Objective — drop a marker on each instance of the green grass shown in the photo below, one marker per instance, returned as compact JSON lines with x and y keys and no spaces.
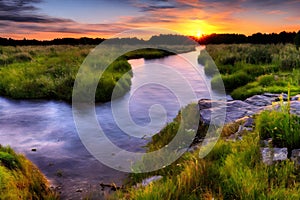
{"x":280,"y":125}
{"x":232,"y":170}
{"x":49,"y":72}
{"x":20,"y":179}
{"x":254,"y":69}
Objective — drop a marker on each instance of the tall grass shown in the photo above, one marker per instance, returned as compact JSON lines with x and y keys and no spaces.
{"x":20,"y":179}
{"x":245,"y":68}
{"x":280,"y":125}
{"x":232,"y":170}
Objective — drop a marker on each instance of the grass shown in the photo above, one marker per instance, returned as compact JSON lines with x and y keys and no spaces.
{"x":253,"y":69}
{"x":232,"y":170}
{"x":20,"y":179}
{"x":49,"y":72}
{"x":280,"y":125}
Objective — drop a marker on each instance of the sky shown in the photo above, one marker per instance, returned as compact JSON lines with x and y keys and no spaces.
{"x":49,"y":19}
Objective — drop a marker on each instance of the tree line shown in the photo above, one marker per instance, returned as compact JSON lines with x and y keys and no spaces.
{"x":257,"y":38}
{"x":169,"y":39}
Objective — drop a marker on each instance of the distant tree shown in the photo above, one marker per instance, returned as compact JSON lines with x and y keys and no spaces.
{"x":297,"y":40}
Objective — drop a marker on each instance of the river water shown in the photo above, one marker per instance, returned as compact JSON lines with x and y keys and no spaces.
{"x":49,"y":128}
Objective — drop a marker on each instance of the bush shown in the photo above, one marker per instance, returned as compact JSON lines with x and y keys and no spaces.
{"x":259,"y":55}
{"x":210,"y":68}
{"x":289,"y":64}
{"x":22,"y":57}
{"x":20,"y":179}
{"x":266,"y":80}
{"x":203,"y":57}
{"x":8,"y":160}
{"x":217,"y":82}
{"x":236,"y":80}
{"x":281,"y":126}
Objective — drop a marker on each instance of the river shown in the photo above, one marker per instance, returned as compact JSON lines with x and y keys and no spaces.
{"x":48,"y":128}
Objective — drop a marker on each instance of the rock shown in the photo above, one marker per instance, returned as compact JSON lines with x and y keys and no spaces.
{"x":296,"y":156}
{"x":267,"y":156}
{"x":237,"y":109}
{"x":296,"y":98}
{"x":249,"y":122}
{"x":280,"y":154}
{"x":295,"y":107}
{"x":229,"y":98}
{"x":147,"y":181}
{"x":270,"y":155}
{"x":260,"y":100}
{"x":271,"y":95}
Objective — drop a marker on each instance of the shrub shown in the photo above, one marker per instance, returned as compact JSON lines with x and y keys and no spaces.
{"x":22,"y":57}
{"x":266,"y":80}
{"x":236,"y":80}
{"x":8,"y":160}
{"x":210,"y":68}
{"x":281,"y":126}
{"x":203,"y":57}
{"x":289,"y":64}
{"x":217,"y":82}
{"x":259,"y":55}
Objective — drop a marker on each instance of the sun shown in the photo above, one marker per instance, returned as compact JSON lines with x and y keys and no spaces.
{"x":198,"y":34}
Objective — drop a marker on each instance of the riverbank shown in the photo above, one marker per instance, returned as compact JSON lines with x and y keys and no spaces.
{"x":235,"y":168}
{"x":49,"y":72}
{"x":247,"y":69}
{"x":48,"y":127}
{"x":20,"y":179}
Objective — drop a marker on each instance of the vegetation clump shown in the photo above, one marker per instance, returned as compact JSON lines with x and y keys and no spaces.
{"x":20,"y":179}
{"x":232,"y":170}
{"x":248,"y":69}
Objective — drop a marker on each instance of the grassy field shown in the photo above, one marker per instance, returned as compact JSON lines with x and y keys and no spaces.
{"x":253,"y":69}
{"x":48,"y":72}
{"x":232,"y":170}
{"x":20,"y":179}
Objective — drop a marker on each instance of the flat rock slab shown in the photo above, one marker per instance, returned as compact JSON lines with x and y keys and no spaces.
{"x":229,"y":111}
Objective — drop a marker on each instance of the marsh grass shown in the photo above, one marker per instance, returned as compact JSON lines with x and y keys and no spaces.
{"x":280,"y":125}
{"x":49,"y":72}
{"x":247,"y":69}
{"x":20,"y":179}
{"x":232,"y":170}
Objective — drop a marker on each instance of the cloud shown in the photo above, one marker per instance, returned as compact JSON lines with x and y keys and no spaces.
{"x":24,"y":11}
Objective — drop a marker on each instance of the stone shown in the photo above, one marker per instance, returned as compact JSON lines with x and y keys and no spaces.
{"x":296,"y":156}
{"x":270,"y":155}
{"x":280,"y":154}
{"x":296,"y":98}
{"x":229,"y":98}
{"x":267,"y":156}
{"x":249,"y":122}
{"x":260,"y":100}
{"x":150,"y":180}
{"x":237,"y":109}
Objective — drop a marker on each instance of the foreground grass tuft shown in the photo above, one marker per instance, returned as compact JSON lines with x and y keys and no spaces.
{"x":20,"y":179}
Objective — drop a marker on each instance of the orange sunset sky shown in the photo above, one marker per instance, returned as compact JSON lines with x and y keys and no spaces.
{"x":49,"y":19}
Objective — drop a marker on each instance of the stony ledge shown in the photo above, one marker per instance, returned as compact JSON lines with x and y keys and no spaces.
{"x":237,"y":110}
